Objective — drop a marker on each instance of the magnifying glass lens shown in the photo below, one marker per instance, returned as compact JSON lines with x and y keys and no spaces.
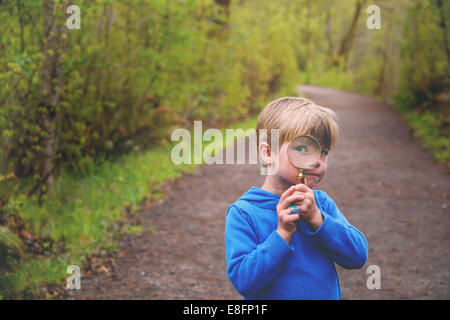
{"x":304,"y":151}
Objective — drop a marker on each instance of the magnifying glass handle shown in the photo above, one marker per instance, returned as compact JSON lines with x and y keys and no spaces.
{"x":301,"y":178}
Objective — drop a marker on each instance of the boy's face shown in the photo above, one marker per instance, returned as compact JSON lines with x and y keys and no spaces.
{"x":288,"y":172}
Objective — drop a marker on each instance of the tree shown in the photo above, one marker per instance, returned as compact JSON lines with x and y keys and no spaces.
{"x":349,"y":36}
{"x":443,"y":25}
{"x":55,"y":37}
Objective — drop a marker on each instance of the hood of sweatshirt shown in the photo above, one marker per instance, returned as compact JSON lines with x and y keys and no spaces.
{"x":261,"y":198}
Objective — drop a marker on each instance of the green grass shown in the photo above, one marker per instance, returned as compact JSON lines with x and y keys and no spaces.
{"x":426,"y":128}
{"x":333,"y":77}
{"x":81,"y":213}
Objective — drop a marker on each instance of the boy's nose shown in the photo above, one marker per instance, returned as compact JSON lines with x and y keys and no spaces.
{"x":316,"y":164}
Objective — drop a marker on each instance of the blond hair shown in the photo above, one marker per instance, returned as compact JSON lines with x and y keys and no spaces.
{"x":294,"y":116}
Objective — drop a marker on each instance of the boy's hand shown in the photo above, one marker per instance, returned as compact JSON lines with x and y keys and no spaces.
{"x":309,"y":212}
{"x":287,"y":222}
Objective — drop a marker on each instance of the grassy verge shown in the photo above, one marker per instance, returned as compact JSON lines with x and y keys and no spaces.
{"x":429,"y":118}
{"x":82,"y":215}
{"x":427,"y":128}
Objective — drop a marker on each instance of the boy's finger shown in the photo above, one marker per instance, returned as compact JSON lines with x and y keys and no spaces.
{"x":299,"y":192}
{"x":292,"y":218}
{"x":286,"y":212}
{"x":301,"y":187}
{"x":287,"y":193}
{"x":283,"y":197}
{"x":295,"y":197}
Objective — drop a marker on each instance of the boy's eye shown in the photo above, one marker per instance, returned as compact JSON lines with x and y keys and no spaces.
{"x":324,"y":152}
{"x":301,"y":148}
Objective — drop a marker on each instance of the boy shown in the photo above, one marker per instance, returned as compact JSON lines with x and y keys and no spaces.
{"x":273,"y":252}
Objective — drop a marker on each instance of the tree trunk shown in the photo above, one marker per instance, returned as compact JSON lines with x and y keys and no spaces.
{"x":329,"y":34}
{"x":21,"y":24}
{"x":349,"y":35}
{"x":443,"y":25}
{"x":55,"y":36}
{"x":308,"y":35}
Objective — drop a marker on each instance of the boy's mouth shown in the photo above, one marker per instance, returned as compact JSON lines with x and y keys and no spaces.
{"x":310,"y":174}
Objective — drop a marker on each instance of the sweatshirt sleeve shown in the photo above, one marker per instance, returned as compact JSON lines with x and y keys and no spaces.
{"x":251,"y":265}
{"x":342,"y":242}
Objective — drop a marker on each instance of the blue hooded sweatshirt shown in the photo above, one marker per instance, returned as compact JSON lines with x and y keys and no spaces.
{"x":262,"y":265}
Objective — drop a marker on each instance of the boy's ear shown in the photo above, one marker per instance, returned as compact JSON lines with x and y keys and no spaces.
{"x":264,"y":153}
{"x":268,"y":158}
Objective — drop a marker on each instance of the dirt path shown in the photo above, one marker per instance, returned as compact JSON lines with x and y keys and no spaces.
{"x":387,"y":185}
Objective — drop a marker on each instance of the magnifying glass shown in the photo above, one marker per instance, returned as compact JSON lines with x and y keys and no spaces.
{"x":303,"y":152}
